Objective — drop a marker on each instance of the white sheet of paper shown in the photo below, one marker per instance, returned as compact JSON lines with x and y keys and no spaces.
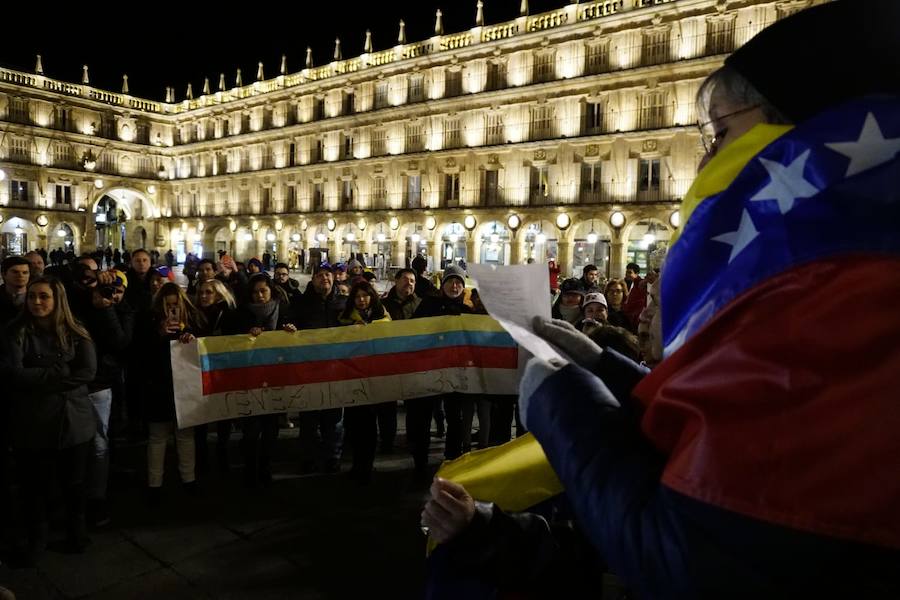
{"x":515,"y":295}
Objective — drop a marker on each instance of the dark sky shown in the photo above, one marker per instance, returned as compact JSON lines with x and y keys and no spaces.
{"x":158,"y":47}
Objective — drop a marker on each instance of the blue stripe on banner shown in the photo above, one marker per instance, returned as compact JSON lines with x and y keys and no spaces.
{"x":391,"y":345}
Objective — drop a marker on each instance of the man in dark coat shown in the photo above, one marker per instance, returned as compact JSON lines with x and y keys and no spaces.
{"x":320,"y":432}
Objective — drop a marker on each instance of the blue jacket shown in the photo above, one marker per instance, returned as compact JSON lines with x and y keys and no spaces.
{"x":662,"y":543}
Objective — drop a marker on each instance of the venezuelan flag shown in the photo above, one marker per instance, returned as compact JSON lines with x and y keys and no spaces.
{"x":777,"y":397}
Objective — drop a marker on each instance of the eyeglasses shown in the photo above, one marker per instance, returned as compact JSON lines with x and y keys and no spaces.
{"x":712,"y":138}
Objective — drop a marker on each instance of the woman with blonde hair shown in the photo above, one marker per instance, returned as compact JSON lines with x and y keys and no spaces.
{"x":174,"y":318}
{"x":47,"y":360}
{"x":216,"y":302}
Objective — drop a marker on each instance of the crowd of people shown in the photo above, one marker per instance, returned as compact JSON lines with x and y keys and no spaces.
{"x":86,"y":354}
{"x":756,"y":460}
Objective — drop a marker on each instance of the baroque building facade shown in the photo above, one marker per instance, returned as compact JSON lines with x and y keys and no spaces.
{"x":569,"y":135}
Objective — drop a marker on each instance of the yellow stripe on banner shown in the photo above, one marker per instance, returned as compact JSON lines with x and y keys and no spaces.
{"x":334,"y":335}
{"x":725,"y":166}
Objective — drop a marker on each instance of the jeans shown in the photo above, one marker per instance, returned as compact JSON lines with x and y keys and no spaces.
{"x":98,"y":466}
{"x":160,"y":433}
{"x":38,"y":469}
{"x":360,"y":423}
{"x":455,"y":406}
{"x":418,"y":429}
{"x":483,"y":406}
{"x":258,"y":444}
{"x":387,"y":424}
{"x":321,"y":436}
{"x":502,"y":410}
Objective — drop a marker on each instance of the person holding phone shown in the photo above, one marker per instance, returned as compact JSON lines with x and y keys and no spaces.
{"x":175,"y":318}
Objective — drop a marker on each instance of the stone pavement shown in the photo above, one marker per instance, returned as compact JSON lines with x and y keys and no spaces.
{"x":304,"y":537}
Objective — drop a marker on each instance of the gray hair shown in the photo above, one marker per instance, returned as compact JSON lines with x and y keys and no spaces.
{"x":727,"y":85}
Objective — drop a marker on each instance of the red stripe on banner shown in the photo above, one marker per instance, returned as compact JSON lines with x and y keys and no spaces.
{"x":785,"y":407}
{"x":400,"y":363}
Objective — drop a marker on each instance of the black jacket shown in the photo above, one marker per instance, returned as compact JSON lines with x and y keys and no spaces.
{"x":311,"y":311}
{"x":437,"y":306}
{"x":401,"y":309}
{"x":8,"y":310}
{"x":112,"y":329}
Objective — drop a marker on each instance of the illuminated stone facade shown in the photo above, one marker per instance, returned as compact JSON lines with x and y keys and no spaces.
{"x":568,"y":134}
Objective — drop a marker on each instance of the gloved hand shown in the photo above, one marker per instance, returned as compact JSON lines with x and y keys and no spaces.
{"x":562,"y":334}
{"x":536,"y":371}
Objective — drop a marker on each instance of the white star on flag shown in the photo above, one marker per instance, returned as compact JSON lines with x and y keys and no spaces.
{"x":740,"y":239}
{"x":787,"y":183}
{"x":870,"y":150}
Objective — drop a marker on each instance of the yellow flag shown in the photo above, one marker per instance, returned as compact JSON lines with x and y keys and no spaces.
{"x":514,"y":476}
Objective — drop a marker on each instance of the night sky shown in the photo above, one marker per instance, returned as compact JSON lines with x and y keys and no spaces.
{"x":159,"y":47}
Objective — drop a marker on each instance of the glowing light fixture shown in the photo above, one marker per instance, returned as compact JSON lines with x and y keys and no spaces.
{"x":270,"y":237}
{"x":470,"y":222}
{"x":394,"y":223}
{"x":675,"y":219}
{"x":513,"y":222}
{"x":248,"y":237}
{"x":592,"y":236}
{"x":563,"y":220}
{"x":98,"y":183}
{"x":295,"y":237}
{"x":617,"y":219}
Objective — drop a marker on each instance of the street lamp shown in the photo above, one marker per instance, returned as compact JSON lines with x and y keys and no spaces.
{"x":592,"y":236}
{"x":617,"y":219}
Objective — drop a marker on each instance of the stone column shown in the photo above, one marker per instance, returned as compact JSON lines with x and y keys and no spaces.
{"x":434,"y":251}
{"x":617,"y":253}
{"x":515,"y":249}
{"x":566,"y":257}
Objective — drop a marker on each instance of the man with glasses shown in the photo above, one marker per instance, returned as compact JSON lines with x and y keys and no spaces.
{"x":284,"y":280}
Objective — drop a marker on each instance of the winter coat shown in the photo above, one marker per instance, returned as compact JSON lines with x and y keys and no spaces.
{"x":112,"y":329}
{"x":400,"y":309}
{"x":356,"y":318}
{"x":664,"y":543}
{"x":314,"y":312}
{"x":8,"y":310}
{"x":243,"y":320}
{"x":46,"y":388}
{"x":436,"y":306}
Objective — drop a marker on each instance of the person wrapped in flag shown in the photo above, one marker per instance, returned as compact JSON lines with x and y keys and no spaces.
{"x":761,"y":457}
